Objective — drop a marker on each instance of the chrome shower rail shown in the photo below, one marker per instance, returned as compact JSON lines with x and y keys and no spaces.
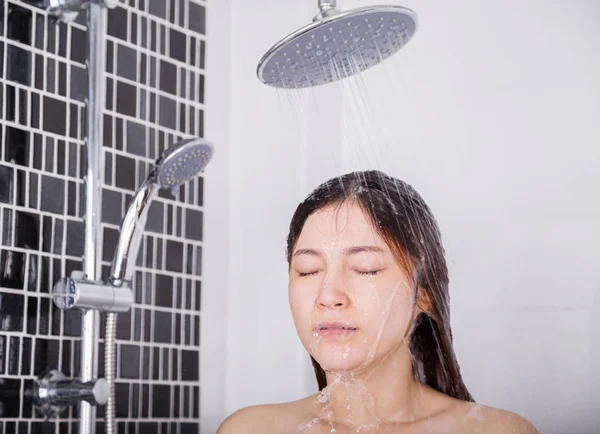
{"x":96,"y":20}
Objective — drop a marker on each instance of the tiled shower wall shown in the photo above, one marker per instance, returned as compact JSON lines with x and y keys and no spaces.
{"x":154,"y":96}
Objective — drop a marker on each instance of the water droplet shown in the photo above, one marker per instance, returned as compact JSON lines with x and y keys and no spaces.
{"x":323,"y":397}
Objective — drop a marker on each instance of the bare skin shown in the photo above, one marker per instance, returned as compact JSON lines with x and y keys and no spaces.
{"x":343,"y":272}
{"x":448,"y":416}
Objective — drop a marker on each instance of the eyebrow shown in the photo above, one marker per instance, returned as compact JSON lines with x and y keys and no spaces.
{"x":347,"y":252}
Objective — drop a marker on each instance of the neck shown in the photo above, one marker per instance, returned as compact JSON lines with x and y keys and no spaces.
{"x":385,"y":392}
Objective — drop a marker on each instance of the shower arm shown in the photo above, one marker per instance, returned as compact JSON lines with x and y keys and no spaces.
{"x":327,"y":8}
{"x":327,"y":4}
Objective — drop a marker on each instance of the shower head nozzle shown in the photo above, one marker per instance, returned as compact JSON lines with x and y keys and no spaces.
{"x":182,"y":161}
{"x":337,"y":46}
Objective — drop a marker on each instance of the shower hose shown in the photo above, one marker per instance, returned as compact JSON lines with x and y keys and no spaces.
{"x":110,"y":359}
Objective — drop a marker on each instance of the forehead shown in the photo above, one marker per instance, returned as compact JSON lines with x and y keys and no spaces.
{"x":343,"y":225}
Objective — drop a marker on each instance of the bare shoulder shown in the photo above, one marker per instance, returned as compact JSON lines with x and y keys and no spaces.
{"x":269,"y":418}
{"x":259,"y":418}
{"x":496,"y":421}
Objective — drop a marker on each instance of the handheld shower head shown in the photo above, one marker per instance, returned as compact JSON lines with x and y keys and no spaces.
{"x":337,"y":45}
{"x":177,"y":165}
{"x":182,"y":161}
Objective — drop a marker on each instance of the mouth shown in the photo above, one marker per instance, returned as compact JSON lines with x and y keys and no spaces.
{"x":334,"y":329}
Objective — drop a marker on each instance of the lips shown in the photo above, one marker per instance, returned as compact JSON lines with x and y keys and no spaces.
{"x":334,"y":329}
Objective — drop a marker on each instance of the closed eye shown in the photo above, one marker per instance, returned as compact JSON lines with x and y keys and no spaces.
{"x":307,"y":274}
{"x":369,"y":272}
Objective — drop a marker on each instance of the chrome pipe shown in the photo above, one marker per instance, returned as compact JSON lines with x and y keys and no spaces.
{"x":327,"y":8}
{"x":327,"y":4}
{"x":96,"y":26}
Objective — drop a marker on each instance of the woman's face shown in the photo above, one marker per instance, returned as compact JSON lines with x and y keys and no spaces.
{"x":351,"y":302}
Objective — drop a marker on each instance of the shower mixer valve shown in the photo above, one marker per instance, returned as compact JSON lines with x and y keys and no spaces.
{"x":79,"y":292}
{"x":53,"y":392}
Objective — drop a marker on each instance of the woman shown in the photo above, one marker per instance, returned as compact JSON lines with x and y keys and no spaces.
{"x":368,"y":291}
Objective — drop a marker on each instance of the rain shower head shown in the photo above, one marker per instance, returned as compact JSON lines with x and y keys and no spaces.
{"x":337,"y":45}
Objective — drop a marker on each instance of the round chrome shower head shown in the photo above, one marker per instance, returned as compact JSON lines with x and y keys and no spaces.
{"x":182,"y":161}
{"x":337,"y":46}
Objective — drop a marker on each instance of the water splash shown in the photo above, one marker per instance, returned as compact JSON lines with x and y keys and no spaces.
{"x":308,"y":426}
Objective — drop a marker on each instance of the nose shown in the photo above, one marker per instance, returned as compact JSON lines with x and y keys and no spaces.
{"x":333,"y":293}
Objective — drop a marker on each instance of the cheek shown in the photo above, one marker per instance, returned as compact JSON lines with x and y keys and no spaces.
{"x":400,"y":313}
{"x":388,"y":309}
{"x":300,"y":305}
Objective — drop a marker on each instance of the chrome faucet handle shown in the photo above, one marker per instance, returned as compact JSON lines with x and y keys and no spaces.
{"x":53,"y":392}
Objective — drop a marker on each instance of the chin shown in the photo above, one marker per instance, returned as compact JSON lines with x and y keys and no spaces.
{"x":339,"y":360}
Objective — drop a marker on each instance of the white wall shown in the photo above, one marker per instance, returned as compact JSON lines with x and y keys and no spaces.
{"x":491,"y":112}
{"x":213,"y":325}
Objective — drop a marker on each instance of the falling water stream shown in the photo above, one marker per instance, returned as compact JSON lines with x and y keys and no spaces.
{"x":354,"y":111}
{"x":357,"y":110}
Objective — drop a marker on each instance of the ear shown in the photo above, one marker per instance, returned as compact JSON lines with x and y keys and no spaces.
{"x":424,"y":301}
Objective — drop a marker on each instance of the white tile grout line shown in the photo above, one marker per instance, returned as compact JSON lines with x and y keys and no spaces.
{"x":24,"y":209}
{"x":162,"y":21}
{"x":157,"y":55}
{"x":56,"y":96}
{"x":166,"y":20}
{"x":153,"y":125}
{"x":41,"y":172}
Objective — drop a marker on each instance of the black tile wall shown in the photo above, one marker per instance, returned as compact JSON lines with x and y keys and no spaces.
{"x":155,"y":96}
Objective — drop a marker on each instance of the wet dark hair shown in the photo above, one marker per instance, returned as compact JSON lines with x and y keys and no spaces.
{"x":405,"y":222}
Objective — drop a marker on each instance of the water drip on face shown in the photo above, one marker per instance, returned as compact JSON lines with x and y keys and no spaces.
{"x":346,"y":351}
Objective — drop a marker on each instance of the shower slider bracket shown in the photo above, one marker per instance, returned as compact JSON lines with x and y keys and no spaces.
{"x":79,"y":292}
{"x":67,"y":10}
